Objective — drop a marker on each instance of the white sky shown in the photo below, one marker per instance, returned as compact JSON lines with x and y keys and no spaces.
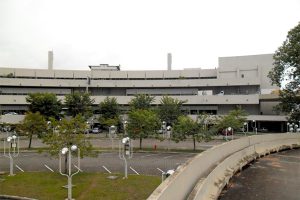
{"x":138,"y":34}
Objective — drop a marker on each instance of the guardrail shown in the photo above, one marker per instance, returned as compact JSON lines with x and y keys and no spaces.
{"x":204,"y":176}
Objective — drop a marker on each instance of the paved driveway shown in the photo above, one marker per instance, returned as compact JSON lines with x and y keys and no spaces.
{"x":141,"y":163}
{"x":274,"y":177}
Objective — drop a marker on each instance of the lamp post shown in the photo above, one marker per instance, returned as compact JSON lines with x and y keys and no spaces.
{"x":164,"y":128}
{"x":112,"y":134}
{"x":13,"y":151}
{"x":124,"y":127}
{"x":169,"y":132}
{"x":231,"y":130}
{"x":293,"y":127}
{"x":125,"y":152}
{"x":254,"y":126}
{"x":67,"y":151}
{"x":245,"y":124}
{"x":296,"y":127}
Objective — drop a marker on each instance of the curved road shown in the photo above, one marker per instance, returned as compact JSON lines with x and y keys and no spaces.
{"x":274,"y":177}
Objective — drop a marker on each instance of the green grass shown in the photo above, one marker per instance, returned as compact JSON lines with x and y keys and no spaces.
{"x":48,"y":186}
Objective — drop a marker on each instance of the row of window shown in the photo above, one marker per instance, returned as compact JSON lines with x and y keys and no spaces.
{"x":67,"y":78}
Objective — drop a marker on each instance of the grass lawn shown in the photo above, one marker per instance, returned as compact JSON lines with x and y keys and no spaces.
{"x":89,"y":186}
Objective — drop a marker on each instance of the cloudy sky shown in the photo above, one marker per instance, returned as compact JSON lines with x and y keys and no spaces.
{"x":138,"y":34}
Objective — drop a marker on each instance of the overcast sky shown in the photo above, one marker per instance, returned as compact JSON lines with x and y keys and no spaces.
{"x":138,"y":34}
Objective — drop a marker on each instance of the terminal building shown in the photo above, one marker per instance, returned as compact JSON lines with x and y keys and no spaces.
{"x":239,"y":80}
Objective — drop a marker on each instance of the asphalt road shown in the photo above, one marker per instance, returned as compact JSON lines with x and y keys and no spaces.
{"x":141,"y":163}
{"x":274,"y":177}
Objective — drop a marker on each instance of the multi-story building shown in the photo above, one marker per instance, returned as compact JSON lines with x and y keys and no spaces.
{"x":240,"y":80}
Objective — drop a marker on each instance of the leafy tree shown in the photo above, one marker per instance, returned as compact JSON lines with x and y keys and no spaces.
{"x":110,"y":112}
{"x":186,"y":127}
{"x":65,"y":133}
{"x":286,"y":74}
{"x":170,"y":109}
{"x":33,"y":124}
{"x":46,"y":104}
{"x":141,"y":101}
{"x":79,"y":103}
{"x":235,"y":119}
{"x":142,"y":123}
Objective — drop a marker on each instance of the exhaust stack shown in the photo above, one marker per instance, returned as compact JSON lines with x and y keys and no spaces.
{"x":50,"y":60}
{"x":169,"y":61}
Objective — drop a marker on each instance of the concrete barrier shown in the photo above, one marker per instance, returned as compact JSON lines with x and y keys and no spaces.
{"x":204,"y":176}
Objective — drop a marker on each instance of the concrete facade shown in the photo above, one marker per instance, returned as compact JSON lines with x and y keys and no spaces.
{"x":240,"y":80}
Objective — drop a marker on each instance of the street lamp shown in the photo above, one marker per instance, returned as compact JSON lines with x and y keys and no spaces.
{"x":13,"y":151}
{"x":67,"y":151}
{"x":169,"y":132}
{"x":229,"y":129}
{"x":125,"y":152}
{"x":293,"y":127}
{"x":112,"y":134}
{"x":124,"y":127}
{"x":296,"y":127}
{"x":164,"y":127}
{"x":245,"y":124}
{"x":254,"y":127}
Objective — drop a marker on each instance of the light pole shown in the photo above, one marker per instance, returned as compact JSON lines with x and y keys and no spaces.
{"x":254,"y":126}
{"x":164,"y":127}
{"x":293,"y":127}
{"x":125,"y":152}
{"x":112,"y":134}
{"x":296,"y":127}
{"x":245,"y":125}
{"x":169,"y":132}
{"x":231,"y":130}
{"x":226,"y":133}
{"x":64,"y":151}
{"x":13,"y":151}
{"x":124,"y":127}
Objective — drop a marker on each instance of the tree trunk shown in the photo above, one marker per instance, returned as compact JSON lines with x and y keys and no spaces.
{"x":66,"y":163}
{"x":194,"y":140}
{"x":141,"y":142}
{"x":30,"y":139}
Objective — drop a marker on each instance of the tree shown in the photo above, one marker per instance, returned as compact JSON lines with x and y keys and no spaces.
{"x":33,"y":124}
{"x":110,"y":112}
{"x":141,"y":101}
{"x":46,"y":104}
{"x":186,"y":127}
{"x":65,"y":133}
{"x":79,"y":103}
{"x":142,"y":124}
{"x":286,"y":74}
{"x":170,"y":109}
{"x":235,"y":119}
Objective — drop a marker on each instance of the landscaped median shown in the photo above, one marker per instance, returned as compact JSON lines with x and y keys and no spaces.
{"x":43,"y":185}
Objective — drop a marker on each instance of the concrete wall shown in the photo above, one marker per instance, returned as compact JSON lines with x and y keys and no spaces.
{"x":204,"y":176}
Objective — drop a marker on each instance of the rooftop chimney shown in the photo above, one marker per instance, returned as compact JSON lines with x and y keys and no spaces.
{"x":50,"y":60}
{"x":169,"y":61}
